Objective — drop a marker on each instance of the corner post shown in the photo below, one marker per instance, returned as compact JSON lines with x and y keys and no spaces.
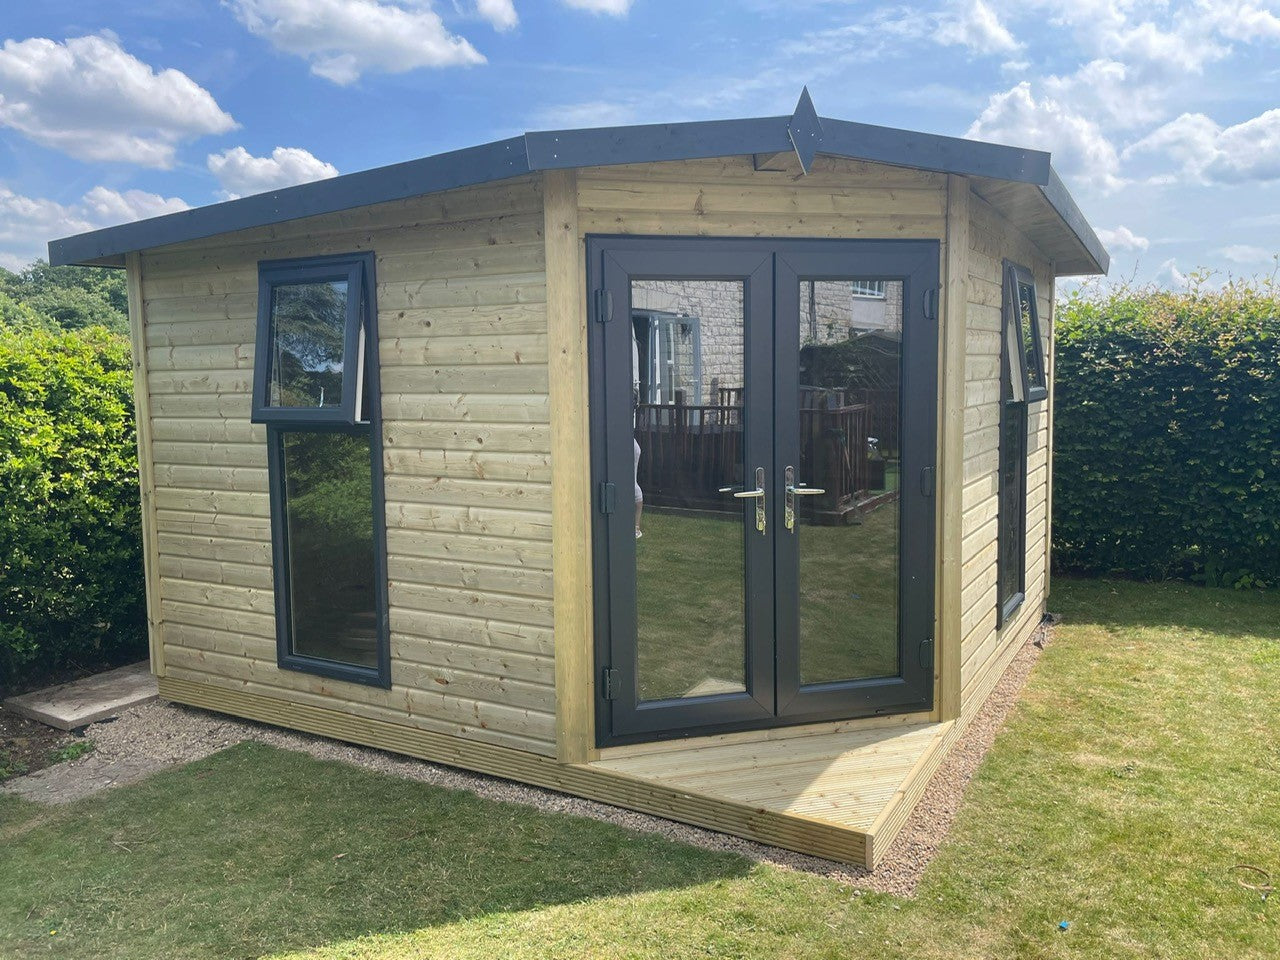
{"x":570,"y":468}
{"x":954,"y":315}
{"x":146,"y":462}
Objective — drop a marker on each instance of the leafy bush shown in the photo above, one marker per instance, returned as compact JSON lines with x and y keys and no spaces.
{"x":1167,"y":434}
{"x":71,"y":584}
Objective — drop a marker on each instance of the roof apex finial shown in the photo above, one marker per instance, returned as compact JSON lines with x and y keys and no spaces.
{"x":805,"y":130}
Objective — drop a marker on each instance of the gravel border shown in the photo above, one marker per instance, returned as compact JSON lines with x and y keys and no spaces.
{"x":160,"y":735}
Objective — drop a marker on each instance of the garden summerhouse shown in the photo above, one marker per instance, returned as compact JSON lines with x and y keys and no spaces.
{"x":701,"y":469}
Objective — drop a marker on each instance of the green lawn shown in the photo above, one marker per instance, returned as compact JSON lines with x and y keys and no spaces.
{"x":1141,"y":765}
{"x":689,"y":601}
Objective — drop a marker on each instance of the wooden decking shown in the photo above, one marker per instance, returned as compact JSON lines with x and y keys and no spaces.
{"x":842,"y":794}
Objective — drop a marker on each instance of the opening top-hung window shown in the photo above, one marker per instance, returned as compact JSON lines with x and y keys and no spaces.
{"x":1025,"y":345}
{"x":311,"y":334}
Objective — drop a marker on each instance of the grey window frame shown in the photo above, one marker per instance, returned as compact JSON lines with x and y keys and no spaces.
{"x":278,"y":273}
{"x":361,"y":339}
{"x":1016,"y":275}
{"x":1016,"y":397}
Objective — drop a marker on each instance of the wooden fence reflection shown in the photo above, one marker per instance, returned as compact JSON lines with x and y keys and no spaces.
{"x":688,"y":452}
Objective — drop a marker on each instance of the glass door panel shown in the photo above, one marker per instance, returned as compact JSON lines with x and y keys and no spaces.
{"x":846,"y":505}
{"x":690,"y":381}
{"x":856,"y":387}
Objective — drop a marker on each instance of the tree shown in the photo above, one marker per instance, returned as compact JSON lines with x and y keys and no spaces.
{"x":67,"y":298}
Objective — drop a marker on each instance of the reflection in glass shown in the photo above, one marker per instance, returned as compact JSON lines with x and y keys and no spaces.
{"x":1030,"y":349}
{"x":850,"y":410}
{"x":329,"y":517}
{"x":688,"y":378}
{"x":308,"y":323}
{"x":1013,"y":530}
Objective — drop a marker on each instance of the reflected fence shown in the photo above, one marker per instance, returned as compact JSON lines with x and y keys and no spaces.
{"x":849,"y":449}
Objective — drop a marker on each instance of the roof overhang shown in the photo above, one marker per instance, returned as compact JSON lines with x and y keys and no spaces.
{"x":1039,"y":197}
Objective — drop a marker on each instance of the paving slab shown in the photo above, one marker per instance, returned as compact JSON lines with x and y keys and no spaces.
{"x":71,"y":705}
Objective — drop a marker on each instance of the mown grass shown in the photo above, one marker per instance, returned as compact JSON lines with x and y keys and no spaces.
{"x":1139,"y":768}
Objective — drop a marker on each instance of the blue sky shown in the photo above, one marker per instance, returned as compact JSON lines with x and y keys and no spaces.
{"x":1163,"y":117}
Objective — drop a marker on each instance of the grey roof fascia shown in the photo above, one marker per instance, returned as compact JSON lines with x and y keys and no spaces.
{"x":561,"y":149}
{"x":446,"y":171}
{"x":929,"y":151}
{"x":1055,"y":191}
{"x":656,"y":142}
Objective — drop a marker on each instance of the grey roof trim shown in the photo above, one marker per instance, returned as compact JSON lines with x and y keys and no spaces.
{"x":1055,"y":191}
{"x":445,"y":171}
{"x":560,"y":149}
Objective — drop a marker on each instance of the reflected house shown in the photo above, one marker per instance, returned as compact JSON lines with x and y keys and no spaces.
{"x":387,"y":427}
{"x":689,"y":417}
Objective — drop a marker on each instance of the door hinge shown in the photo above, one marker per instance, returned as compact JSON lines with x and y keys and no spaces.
{"x":927,"y":481}
{"x":931,"y":303}
{"x":610,"y":683}
{"x":926,"y":653}
{"x":608,"y":498}
{"x":604,"y":306}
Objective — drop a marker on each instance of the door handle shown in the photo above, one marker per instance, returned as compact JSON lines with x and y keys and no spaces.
{"x":743,"y":494}
{"x":794,"y":490}
{"x":758,"y":495}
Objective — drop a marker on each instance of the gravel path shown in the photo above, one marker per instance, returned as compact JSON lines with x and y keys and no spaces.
{"x":160,"y":735}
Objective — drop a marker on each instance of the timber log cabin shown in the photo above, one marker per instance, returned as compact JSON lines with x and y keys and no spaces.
{"x":702,"y":469}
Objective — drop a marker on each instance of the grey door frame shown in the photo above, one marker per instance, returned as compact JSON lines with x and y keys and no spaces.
{"x":613,"y":264}
{"x":772,"y":699}
{"x":914,"y":263}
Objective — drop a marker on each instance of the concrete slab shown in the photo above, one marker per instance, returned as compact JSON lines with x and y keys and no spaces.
{"x":71,"y":705}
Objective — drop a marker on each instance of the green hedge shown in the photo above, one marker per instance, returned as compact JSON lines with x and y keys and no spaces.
{"x":1167,"y":434}
{"x":71,"y":583}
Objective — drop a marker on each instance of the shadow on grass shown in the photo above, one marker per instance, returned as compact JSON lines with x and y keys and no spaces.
{"x":256,"y":850}
{"x":1126,"y":603}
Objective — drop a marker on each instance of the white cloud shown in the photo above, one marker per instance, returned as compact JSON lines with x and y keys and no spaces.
{"x":1246,"y":253}
{"x":104,"y":206}
{"x":342,"y":39}
{"x":1169,"y":272}
{"x":28,"y":223}
{"x":590,"y":113}
{"x":975,"y":25}
{"x":1245,"y":152}
{"x":1110,"y":91}
{"x":1246,"y":22}
{"x":11,"y":261}
{"x":1078,"y":145}
{"x":89,"y":98}
{"x":240,"y":173}
{"x":1185,"y":48}
{"x":615,"y":8}
{"x":1122,"y":238}
{"x":500,"y":13}
{"x":1184,"y":40}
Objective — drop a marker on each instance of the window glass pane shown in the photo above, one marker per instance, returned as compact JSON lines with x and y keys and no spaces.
{"x":1013,"y":454}
{"x":308,"y":328}
{"x":1030,"y":347}
{"x":850,"y":404}
{"x":328,"y":489}
{"x":689,"y":379}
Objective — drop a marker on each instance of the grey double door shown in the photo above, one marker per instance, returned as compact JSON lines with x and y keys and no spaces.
{"x":763,"y":417}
